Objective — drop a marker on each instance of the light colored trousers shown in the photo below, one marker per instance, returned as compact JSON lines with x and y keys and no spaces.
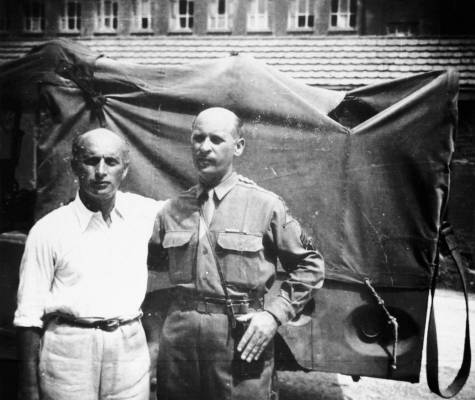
{"x":92,"y":364}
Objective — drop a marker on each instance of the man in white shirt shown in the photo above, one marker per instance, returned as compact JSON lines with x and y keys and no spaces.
{"x":83,"y":278}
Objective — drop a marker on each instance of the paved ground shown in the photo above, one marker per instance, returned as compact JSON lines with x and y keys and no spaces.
{"x":450,"y":314}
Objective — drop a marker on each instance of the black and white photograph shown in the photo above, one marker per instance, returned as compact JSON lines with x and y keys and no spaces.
{"x":237,"y":199}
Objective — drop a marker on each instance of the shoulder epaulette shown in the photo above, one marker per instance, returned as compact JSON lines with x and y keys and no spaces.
{"x":246,"y":180}
{"x":254,"y":185}
{"x":250,"y":183}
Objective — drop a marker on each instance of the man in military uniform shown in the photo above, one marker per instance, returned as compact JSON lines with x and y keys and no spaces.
{"x":223,"y":238}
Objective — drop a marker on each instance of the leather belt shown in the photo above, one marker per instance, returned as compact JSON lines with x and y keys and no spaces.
{"x":214,"y":305}
{"x":108,"y":325}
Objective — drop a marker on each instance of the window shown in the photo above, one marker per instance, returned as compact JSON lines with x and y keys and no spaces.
{"x":257,"y":15}
{"x":181,"y":15}
{"x":343,"y":14}
{"x":107,"y":11}
{"x":219,"y":15}
{"x":143,"y":15}
{"x":301,"y":15}
{"x":34,"y":17}
{"x":70,"y":19}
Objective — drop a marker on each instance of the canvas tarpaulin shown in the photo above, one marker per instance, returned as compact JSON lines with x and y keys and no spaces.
{"x":366,"y":172}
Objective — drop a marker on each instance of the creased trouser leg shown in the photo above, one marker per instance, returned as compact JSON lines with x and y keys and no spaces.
{"x":195,"y":361}
{"x":83,"y":364}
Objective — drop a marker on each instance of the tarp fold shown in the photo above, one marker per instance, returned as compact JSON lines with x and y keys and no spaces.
{"x":365,"y":172}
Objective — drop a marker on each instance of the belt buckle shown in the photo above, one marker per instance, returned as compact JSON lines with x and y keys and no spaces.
{"x":241,"y":307}
{"x":202,"y":307}
{"x":109,"y":325}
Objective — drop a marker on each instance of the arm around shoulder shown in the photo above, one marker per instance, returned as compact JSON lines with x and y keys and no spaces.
{"x":36,"y":276}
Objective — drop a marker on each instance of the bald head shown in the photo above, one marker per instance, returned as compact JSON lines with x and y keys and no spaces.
{"x":220,"y":119}
{"x":215,"y":141}
{"x":105,"y":137}
{"x":100,"y":161}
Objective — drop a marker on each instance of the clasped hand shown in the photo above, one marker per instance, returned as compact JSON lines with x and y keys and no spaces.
{"x":260,"y":332}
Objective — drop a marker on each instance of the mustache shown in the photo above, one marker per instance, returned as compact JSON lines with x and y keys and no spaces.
{"x":204,"y":157}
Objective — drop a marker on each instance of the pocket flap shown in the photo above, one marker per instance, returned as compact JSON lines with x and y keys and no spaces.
{"x":240,"y":241}
{"x":176,"y":238}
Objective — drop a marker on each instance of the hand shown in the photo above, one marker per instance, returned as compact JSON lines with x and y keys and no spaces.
{"x":153,"y":371}
{"x":153,"y":385}
{"x":260,"y":332}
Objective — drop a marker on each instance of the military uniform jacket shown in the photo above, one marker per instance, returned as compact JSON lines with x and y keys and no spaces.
{"x":250,"y":230}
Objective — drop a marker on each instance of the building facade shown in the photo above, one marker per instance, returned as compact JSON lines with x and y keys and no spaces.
{"x":87,"y":18}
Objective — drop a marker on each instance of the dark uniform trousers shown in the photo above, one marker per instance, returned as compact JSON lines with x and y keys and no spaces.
{"x":249,"y":231}
{"x":195,"y":360}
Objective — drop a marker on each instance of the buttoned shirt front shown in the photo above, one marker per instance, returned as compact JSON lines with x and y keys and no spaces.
{"x":250,"y":229}
{"x":77,"y":264}
{"x":207,"y":279}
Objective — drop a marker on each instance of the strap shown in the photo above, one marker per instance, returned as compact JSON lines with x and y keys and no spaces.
{"x":390,"y":319}
{"x":432,"y":367}
{"x":227,"y":297}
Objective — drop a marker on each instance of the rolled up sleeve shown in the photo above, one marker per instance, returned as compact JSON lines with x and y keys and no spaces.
{"x":304,"y":265}
{"x":36,"y":277}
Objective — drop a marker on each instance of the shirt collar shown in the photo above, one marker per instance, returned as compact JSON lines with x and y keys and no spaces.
{"x":222,"y":189}
{"x":85,"y":215}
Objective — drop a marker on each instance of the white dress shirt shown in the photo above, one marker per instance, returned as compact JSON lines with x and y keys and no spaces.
{"x":75,"y":263}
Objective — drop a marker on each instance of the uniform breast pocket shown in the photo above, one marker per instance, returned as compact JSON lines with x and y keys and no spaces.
{"x":180,"y":252}
{"x":240,"y":255}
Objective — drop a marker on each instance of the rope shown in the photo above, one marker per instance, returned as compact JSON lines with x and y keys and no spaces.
{"x":391,"y":320}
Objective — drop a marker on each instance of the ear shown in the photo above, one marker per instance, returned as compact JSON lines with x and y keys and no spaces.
{"x":239,"y":145}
